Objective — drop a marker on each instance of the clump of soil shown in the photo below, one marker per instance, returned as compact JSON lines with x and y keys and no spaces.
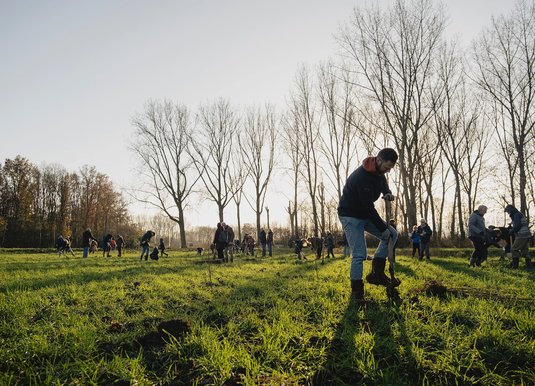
{"x":435,"y":288}
{"x":431,"y":288}
{"x":174,"y":327}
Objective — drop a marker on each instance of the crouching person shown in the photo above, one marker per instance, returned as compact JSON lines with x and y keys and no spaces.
{"x":357,"y":214}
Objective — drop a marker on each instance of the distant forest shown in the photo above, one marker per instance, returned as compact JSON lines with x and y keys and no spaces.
{"x":39,"y":204}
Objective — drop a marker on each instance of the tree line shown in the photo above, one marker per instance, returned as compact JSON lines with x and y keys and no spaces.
{"x":462,"y":121}
{"x":37,"y":204}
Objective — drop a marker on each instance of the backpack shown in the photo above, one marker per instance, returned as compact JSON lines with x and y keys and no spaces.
{"x":154,"y":254}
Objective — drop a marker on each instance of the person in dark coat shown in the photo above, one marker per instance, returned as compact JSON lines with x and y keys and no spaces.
{"x":425,"y":232}
{"x":120,"y":245}
{"x":161,"y":248}
{"x":220,"y":241}
{"x":106,"y":244}
{"x":415,"y":241}
{"x":329,"y":244}
{"x":145,"y":244}
{"x":522,"y":236}
{"x":298,"y":248}
{"x":263,"y":241}
{"x":87,"y":237}
{"x":477,"y":235}
{"x":316,"y":244}
{"x":358,"y":215}
{"x":270,"y":242}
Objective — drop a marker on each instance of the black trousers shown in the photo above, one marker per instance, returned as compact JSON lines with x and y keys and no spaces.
{"x":478,"y":255}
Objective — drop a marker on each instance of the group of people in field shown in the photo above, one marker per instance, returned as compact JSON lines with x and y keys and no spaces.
{"x":225,"y":245}
{"x":111,"y":243}
{"x":513,"y":239}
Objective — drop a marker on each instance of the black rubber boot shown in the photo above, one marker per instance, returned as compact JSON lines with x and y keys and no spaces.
{"x":472,"y":262}
{"x":377,"y":275}
{"x":514,"y":263}
{"x":357,"y":291}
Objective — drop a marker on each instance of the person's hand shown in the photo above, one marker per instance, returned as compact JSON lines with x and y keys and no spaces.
{"x":385,"y":234}
{"x":389,"y":197}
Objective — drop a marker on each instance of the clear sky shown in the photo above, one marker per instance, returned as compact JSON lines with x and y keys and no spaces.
{"x":74,"y":73}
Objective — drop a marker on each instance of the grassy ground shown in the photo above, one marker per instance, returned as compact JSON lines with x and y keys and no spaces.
{"x":277,"y":321}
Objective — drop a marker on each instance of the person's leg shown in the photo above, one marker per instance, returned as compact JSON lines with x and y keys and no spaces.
{"x":270,"y":249}
{"x":263,"y":250}
{"x":428,"y":250}
{"x":354,"y":229}
{"x":377,"y":275}
{"x":85,"y":253}
{"x":517,"y":249}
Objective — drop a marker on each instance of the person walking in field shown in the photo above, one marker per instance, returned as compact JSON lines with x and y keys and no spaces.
{"x":270,"y":242}
{"x":161,"y":248}
{"x":358,"y":215}
{"x":145,"y":244}
{"x":120,"y":245}
{"x":87,"y":239}
{"x":522,"y":236}
{"x":329,"y":244}
{"x":415,"y":241}
{"x":477,"y":235}
{"x":425,"y":232}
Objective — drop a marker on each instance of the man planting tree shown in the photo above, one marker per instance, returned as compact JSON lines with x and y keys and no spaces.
{"x":357,"y":214}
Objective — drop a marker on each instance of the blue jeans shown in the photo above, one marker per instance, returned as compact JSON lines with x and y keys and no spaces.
{"x":86,"y":251}
{"x":145,"y":251}
{"x":354,"y":229}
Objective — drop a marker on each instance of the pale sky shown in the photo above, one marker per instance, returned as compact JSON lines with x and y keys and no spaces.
{"x":73,"y":73}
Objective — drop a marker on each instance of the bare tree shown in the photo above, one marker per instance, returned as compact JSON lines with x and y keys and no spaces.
{"x":505,"y":60}
{"x":291,"y":146}
{"x":339,"y":141}
{"x":392,"y":54}
{"x":257,"y":144}
{"x":305,"y":114}
{"x":462,"y":140}
{"x":212,"y":152}
{"x":161,"y":139}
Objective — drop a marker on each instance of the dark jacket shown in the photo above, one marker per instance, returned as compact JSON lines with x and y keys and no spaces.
{"x":520,"y":223}
{"x":270,"y":237}
{"x":262,"y":237}
{"x":220,"y":237}
{"x":425,"y":233}
{"x":363,"y":187}
{"x":145,"y":239}
{"x":87,"y":236}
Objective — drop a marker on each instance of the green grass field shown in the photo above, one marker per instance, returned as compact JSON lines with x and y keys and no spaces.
{"x":276,"y":321}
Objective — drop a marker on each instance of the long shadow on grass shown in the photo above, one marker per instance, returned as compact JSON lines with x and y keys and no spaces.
{"x":385,"y":364}
{"x":394,"y":361}
{"x":339,"y":368}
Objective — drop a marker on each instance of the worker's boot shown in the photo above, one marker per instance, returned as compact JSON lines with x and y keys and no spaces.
{"x":377,"y":275}
{"x":514,"y":263}
{"x":529,"y":264}
{"x":357,"y":291}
